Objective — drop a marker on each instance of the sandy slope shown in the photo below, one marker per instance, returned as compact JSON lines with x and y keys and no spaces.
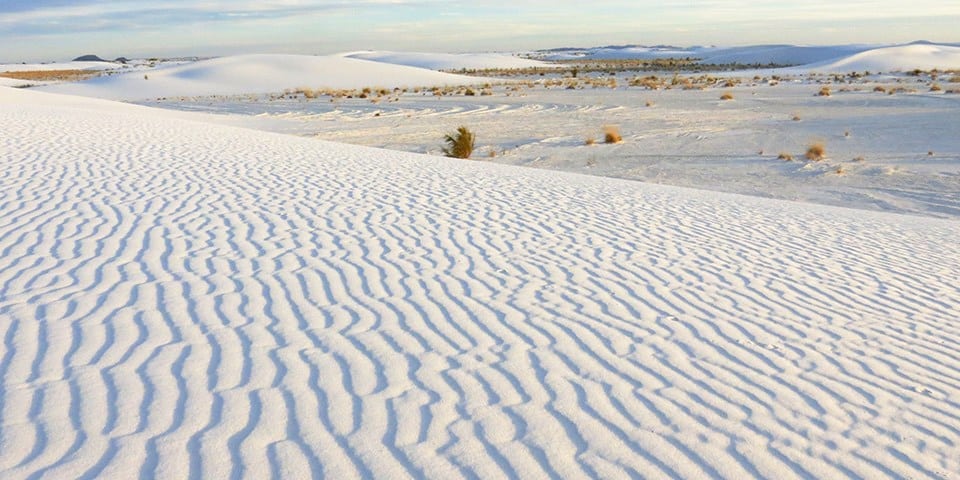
{"x":183,"y":299}
{"x":241,"y":74}
{"x":899,"y":58}
{"x":450,"y":61}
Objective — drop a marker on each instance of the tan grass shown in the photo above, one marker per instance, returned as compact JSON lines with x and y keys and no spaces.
{"x":816,"y":152}
{"x":611,"y":134}
{"x":52,"y":75}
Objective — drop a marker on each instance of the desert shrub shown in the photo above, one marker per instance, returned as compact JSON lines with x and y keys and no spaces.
{"x":935,"y":87}
{"x":611,"y":134}
{"x":785,"y":157}
{"x":459,"y":144}
{"x":879,"y":88}
{"x":796,"y":118}
{"x":590,"y":141}
{"x":824,"y":92}
{"x":726,"y":96}
{"x":816,"y":152}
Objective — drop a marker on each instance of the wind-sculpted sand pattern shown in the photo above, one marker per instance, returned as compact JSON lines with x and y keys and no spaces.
{"x":183,"y":300}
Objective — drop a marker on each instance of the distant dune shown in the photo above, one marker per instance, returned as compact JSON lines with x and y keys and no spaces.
{"x":450,"y":61}
{"x":923,"y":55}
{"x":243,"y":74}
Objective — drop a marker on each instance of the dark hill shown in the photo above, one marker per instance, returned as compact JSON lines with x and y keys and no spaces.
{"x":89,"y":58}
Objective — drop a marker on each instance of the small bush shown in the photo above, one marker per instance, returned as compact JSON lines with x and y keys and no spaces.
{"x":590,"y":141}
{"x":879,"y":88}
{"x":935,"y":87}
{"x":726,"y":96}
{"x":611,"y":134}
{"x":816,"y":152}
{"x":796,"y":118}
{"x":824,"y":92}
{"x":459,"y":144}
{"x":785,"y":157}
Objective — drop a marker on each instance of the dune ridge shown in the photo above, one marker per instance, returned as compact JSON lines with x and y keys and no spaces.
{"x":187,"y":300}
{"x":259,"y":73}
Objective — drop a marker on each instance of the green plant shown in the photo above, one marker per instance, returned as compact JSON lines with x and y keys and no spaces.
{"x":459,"y":144}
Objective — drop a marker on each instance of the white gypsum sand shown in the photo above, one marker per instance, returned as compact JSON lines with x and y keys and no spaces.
{"x":878,"y":143}
{"x":182,"y":299}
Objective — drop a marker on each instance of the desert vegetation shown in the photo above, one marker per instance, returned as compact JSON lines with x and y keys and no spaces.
{"x":53,"y":75}
{"x":459,"y":144}
{"x":816,"y":152}
{"x":611,"y":134}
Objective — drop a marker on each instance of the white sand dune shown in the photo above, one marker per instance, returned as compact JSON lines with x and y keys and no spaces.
{"x":752,"y":54}
{"x":899,"y":58}
{"x":450,"y":61}
{"x":782,"y":54}
{"x":828,"y":58}
{"x":182,"y":299}
{"x":243,"y":74}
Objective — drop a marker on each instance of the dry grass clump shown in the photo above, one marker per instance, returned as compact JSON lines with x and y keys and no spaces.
{"x":935,"y":87}
{"x":824,"y":92}
{"x":590,"y":141}
{"x":816,"y":152}
{"x":611,"y":134}
{"x":859,"y":159}
{"x":52,"y":75}
{"x":796,"y":118}
{"x":785,"y":157}
{"x":459,"y":144}
{"x":880,"y":88}
{"x":726,"y":96}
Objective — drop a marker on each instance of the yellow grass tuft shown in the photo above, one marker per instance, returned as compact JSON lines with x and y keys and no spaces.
{"x":611,"y":134}
{"x":726,"y":96}
{"x":816,"y":152}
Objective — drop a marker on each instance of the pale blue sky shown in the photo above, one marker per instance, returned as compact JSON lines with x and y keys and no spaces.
{"x":44,"y":30}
